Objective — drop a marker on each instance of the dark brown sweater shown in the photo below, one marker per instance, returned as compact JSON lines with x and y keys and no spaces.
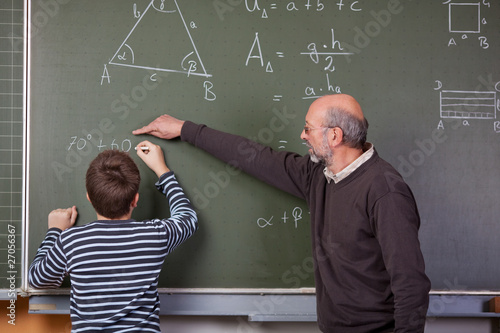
{"x":369,"y":273}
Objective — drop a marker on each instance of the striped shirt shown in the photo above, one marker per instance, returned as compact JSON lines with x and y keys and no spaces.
{"x":114,"y":265}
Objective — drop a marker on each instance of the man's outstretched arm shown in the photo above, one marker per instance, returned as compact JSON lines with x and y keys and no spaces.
{"x":284,"y":170}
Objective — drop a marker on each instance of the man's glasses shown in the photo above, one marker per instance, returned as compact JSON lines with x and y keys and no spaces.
{"x":307,"y":129}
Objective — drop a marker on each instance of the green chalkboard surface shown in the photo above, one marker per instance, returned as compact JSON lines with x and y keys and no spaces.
{"x":426,"y":75}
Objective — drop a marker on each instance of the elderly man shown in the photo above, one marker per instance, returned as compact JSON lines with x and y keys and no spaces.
{"x":369,"y":269}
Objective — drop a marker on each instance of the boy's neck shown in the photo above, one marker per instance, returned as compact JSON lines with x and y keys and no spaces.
{"x":124,"y":217}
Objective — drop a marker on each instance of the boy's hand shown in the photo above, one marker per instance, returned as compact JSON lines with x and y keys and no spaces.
{"x":63,"y":218}
{"x":153,"y":157}
{"x":164,"y":127}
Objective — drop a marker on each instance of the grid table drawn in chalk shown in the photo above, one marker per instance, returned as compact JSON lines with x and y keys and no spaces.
{"x":468,"y":104}
{"x":182,"y":55}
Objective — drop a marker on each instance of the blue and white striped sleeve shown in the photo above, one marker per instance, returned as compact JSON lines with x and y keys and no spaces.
{"x":49,"y":266}
{"x":183,"y":221}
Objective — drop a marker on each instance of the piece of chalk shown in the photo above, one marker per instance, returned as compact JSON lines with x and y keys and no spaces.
{"x":143,"y":148}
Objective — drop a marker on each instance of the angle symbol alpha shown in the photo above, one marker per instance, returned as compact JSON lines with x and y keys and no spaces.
{"x":160,"y":41}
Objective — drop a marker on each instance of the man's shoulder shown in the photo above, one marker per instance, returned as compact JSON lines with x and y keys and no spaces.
{"x":382,"y":176}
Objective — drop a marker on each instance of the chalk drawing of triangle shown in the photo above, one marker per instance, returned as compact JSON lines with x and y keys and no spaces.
{"x":154,"y":43}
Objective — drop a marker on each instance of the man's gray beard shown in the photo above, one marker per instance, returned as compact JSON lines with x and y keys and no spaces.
{"x":321,"y":159}
{"x":315,"y":158}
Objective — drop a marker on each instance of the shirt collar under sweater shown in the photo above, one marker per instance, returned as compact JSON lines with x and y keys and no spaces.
{"x":351,"y":167}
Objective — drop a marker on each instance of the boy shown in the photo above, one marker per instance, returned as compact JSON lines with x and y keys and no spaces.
{"x":114,"y":262}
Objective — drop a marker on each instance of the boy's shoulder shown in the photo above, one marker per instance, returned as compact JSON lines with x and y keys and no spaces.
{"x":97,"y":225}
{"x":108,"y":225}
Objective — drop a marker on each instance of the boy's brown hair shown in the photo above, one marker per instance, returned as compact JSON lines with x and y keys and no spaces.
{"x":112,"y":182}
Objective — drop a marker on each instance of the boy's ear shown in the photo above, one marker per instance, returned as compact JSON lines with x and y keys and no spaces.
{"x":134,"y":202}
{"x":87,"y":193}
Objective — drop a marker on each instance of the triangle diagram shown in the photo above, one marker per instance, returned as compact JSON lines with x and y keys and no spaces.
{"x":155,"y":43}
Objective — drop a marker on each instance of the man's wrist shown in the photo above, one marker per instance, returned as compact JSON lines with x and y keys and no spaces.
{"x":181,"y":125}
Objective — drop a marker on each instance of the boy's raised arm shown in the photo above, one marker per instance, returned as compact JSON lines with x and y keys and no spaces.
{"x":181,"y":210}
{"x":183,"y":220}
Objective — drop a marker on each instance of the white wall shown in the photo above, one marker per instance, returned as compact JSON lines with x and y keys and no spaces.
{"x":200,"y":324}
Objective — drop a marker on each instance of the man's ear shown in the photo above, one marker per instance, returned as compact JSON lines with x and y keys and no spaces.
{"x":335,"y":136}
{"x":134,"y":202}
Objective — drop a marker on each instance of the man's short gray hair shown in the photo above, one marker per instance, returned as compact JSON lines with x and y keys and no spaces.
{"x":353,"y":128}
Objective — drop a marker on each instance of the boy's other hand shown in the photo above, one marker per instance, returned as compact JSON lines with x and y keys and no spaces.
{"x":164,"y":127}
{"x":153,"y":157}
{"x":63,"y":218}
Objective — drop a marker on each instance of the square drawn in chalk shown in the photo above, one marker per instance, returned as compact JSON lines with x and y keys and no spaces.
{"x":464,"y":17}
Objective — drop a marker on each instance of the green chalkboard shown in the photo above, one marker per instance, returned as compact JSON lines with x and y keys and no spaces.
{"x":426,"y":75}
{"x":11,"y":145}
